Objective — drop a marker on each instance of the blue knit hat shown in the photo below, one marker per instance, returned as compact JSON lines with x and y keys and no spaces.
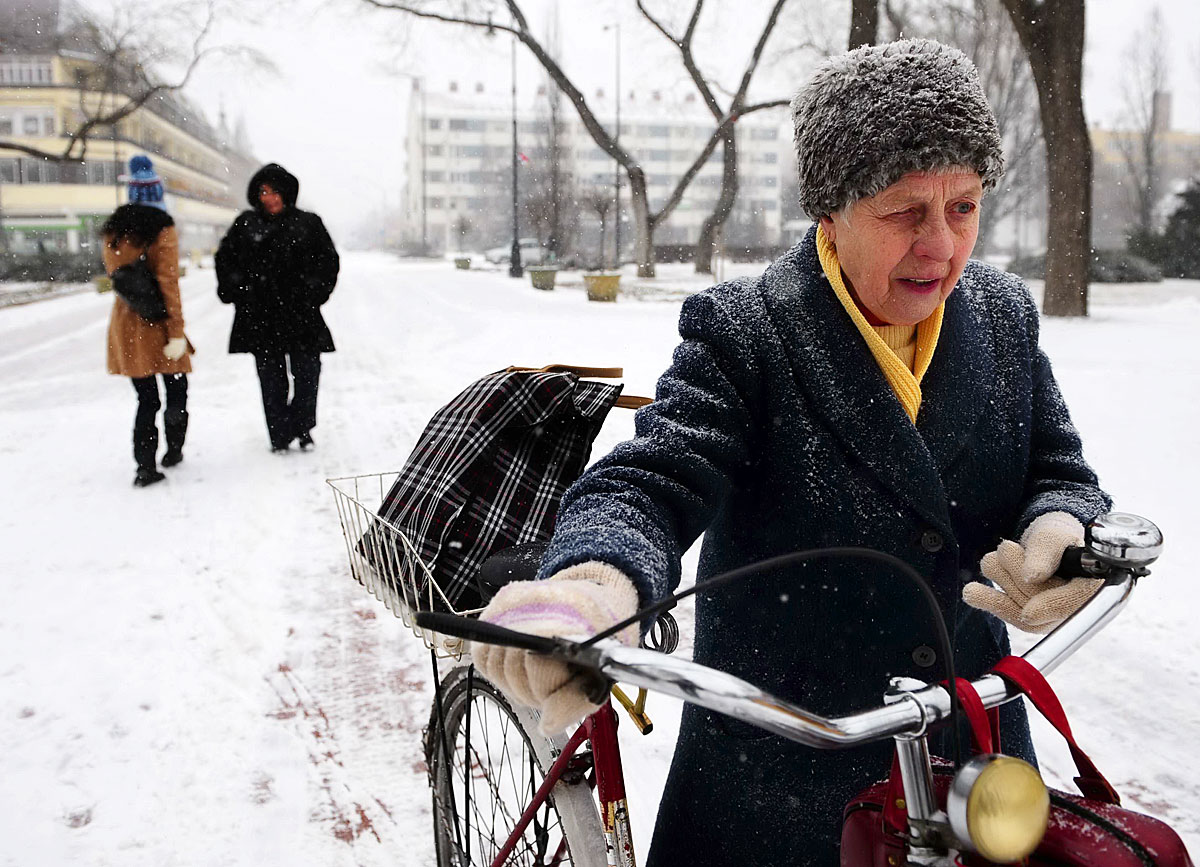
{"x":145,"y":186}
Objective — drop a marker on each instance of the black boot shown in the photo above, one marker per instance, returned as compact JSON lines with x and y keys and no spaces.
{"x":147,"y":476}
{"x":145,"y":449}
{"x":175,"y":423}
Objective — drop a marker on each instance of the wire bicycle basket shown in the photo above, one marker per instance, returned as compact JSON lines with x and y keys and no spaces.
{"x":385,"y":561}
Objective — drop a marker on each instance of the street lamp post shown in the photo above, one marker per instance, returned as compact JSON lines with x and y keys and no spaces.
{"x":617,"y":138}
{"x":514,"y":261}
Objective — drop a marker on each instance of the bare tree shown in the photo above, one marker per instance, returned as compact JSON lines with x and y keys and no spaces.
{"x":113,"y":65}
{"x":1052,"y":35}
{"x":864,"y":22}
{"x":711,"y":227}
{"x":645,"y":221}
{"x":1144,"y":94}
{"x":599,"y":200}
{"x":462,"y":230}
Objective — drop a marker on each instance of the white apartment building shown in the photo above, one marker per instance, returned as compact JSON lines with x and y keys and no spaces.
{"x":459,"y":165}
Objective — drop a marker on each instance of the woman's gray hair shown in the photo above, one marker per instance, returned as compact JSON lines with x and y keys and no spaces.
{"x":869,"y":116}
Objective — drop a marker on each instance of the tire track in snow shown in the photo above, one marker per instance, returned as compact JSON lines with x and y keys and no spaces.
{"x":357,"y":699}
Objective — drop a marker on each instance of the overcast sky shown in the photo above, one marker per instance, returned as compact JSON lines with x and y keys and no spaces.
{"x":334,"y":113}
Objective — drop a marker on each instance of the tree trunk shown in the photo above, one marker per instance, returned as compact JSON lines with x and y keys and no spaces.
{"x":864,"y":22}
{"x":643,"y":224}
{"x":1069,"y":217}
{"x":1052,"y":35}
{"x":714,"y":222}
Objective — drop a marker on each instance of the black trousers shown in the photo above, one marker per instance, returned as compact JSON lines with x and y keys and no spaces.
{"x":175,"y":418}
{"x":286,"y":419}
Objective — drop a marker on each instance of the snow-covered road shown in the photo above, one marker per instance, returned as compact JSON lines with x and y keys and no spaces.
{"x":189,"y":677}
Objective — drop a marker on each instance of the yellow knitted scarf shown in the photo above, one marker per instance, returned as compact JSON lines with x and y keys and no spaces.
{"x":904,"y":382}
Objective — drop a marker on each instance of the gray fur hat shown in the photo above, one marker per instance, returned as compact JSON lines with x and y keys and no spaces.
{"x":869,"y":116}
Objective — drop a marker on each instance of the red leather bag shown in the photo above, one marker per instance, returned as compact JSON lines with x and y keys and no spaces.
{"x":1089,"y":830}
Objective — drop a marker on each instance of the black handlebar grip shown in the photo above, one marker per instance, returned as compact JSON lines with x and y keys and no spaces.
{"x":484,"y":632}
{"x":1071,"y":564}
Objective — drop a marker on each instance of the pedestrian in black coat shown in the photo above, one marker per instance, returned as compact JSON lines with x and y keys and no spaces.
{"x":872,"y":388}
{"x":277,"y":265}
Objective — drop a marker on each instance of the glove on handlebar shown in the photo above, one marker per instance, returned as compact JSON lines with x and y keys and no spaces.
{"x":1044,"y":541}
{"x":1032,"y":607}
{"x":577,"y":602}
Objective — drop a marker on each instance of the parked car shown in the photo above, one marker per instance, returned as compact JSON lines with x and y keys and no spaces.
{"x":532,"y":253}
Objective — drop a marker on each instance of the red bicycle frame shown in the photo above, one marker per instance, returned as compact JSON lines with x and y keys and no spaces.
{"x":600,"y":730}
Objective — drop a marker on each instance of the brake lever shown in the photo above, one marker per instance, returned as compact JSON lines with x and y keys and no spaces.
{"x":486,"y":633}
{"x":595,"y":685}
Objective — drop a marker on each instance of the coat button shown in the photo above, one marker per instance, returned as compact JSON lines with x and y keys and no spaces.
{"x":924,"y":656}
{"x":931,"y":541}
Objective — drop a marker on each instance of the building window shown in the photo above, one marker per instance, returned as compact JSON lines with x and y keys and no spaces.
{"x":658,"y":131}
{"x":770,"y":157}
{"x":470,"y":151}
{"x":29,"y":125}
{"x":463,"y":124}
{"x":660,"y":156}
{"x":435,"y":203}
{"x":19,"y":71}
{"x":48,"y":124}
{"x":434,"y":123}
{"x":435,"y":177}
{"x":99,"y":172}
{"x":434,"y":150}
{"x":8,"y":171}
{"x":39,"y":171}
{"x":761,"y":134}
{"x":6,"y":126}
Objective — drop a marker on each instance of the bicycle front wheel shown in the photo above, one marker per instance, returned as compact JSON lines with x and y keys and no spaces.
{"x":486,"y":760}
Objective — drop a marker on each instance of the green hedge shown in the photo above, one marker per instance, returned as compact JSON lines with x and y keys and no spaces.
{"x":1106,"y":266}
{"x":49,"y":267}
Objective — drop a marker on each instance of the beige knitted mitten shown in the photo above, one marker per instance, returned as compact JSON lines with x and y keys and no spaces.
{"x":1033,"y":607}
{"x":1044,"y":541}
{"x":577,"y":602}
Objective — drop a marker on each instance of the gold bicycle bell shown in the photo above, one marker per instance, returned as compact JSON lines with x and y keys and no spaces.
{"x":999,"y":806}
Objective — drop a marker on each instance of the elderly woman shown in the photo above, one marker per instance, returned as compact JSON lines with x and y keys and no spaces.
{"x":874,"y":387}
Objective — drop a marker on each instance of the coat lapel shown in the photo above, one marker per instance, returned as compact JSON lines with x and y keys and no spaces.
{"x":957,"y":388}
{"x":844,"y":384}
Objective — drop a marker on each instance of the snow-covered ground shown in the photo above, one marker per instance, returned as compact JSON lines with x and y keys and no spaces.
{"x":188,"y":676}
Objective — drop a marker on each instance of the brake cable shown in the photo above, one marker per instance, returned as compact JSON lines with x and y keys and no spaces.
{"x":792,"y":559}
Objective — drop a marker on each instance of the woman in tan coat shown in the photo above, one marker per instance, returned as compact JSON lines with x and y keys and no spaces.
{"x":140,"y":349}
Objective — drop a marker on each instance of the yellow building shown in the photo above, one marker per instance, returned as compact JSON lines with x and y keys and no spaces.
{"x":46,"y":93}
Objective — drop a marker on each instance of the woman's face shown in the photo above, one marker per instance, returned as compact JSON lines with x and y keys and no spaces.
{"x":903,"y":250}
{"x":271,"y":200}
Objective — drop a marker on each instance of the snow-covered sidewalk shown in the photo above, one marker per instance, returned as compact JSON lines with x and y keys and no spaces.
{"x":188,"y":676}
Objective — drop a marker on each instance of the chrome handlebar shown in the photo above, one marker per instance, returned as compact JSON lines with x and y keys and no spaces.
{"x":911,"y":712}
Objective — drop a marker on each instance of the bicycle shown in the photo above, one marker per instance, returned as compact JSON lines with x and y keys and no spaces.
{"x":941,"y":818}
{"x":569,"y":830}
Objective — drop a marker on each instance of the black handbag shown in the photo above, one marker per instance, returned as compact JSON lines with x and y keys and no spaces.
{"x":139,"y":288}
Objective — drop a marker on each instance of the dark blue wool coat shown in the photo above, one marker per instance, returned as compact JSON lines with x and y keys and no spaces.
{"x":774,"y":430}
